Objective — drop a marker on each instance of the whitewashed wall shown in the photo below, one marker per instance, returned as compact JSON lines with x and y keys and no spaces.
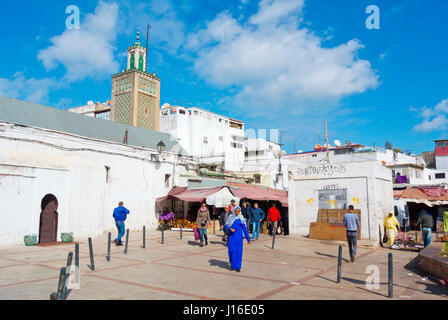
{"x":34,"y":162}
{"x":369,"y":188}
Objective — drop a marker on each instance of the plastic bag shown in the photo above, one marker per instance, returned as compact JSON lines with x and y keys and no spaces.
{"x":196,"y":233}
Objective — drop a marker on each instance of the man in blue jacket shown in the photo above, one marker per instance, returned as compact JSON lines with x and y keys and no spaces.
{"x":120,"y":214}
{"x":257,"y":218}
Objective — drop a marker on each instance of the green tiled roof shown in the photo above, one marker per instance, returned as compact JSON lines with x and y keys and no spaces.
{"x":36,"y":115}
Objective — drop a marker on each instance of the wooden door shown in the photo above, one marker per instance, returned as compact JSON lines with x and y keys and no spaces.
{"x":48,"y":228}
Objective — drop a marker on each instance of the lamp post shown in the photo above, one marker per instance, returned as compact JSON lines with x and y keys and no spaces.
{"x":161,"y":146}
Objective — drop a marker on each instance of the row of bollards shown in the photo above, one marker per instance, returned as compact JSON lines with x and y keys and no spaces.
{"x":390,"y":282}
{"x":64,"y":273}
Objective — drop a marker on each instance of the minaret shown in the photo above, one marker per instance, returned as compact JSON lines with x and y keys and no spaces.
{"x":136,"y":93}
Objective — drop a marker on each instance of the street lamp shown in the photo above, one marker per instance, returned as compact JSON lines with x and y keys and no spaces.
{"x":161,"y":146}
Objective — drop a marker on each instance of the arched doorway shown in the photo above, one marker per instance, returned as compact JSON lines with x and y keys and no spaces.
{"x":48,"y":227}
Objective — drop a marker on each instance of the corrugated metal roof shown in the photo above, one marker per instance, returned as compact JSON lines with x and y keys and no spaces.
{"x":36,"y":115}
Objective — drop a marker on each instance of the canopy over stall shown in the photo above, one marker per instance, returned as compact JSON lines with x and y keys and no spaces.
{"x":259,"y":193}
{"x":221,"y":196}
{"x":431,"y":196}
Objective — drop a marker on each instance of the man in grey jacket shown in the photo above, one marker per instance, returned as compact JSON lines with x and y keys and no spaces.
{"x":351,"y":222}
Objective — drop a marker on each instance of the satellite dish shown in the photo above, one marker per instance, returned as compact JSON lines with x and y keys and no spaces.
{"x":337,"y":143}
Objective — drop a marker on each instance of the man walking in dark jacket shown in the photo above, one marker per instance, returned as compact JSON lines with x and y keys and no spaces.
{"x":246,"y":211}
{"x":120,"y":214}
{"x":427,"y":223}
{"x":222,"y":222}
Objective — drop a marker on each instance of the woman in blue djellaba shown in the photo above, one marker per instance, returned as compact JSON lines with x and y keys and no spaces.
{"x":236,"y":227}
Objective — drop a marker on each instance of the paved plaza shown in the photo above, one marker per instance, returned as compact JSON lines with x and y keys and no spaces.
{"x":298,"y":268}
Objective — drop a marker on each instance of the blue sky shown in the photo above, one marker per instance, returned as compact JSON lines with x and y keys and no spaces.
{"x":287,"y":64}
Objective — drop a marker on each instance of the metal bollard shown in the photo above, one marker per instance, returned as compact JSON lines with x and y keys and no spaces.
{"x":339,"y":264}
{"x":69,"y":259}
{"x":181,"y":231}
{"x":61,"y":284}
{"x":77,"y":263}
{"x":108,"y":246}
{"x":144,"y":237}
{"x":273,"y":238}
{"x":163,"y":230}
{"x":214,"y":230}
{"x":126,"y":244}
{"x":92,"y":262}
{"x":68,"y":269}
{"x":391,"y":278}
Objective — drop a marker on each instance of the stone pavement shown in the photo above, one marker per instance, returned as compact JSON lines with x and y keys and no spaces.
{"x":298,"y":268}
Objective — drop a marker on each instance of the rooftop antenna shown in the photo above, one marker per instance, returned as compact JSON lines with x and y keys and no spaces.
{"x":326,"y":142}
{"x":148,"y":28}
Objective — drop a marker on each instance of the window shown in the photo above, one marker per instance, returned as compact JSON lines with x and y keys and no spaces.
{"x":167,"y":180}
{"x":314,"y":155}
{"x":418,"y":174}
{"x":103,"y":115}
{"x":236,"y":125}
{"x":257,"y":179}
{"x":440,"y":175}
{"x":393,"y":174}
{"x":182,"y":111}
{"x":396,"y":211}
{"x":205,"y":139}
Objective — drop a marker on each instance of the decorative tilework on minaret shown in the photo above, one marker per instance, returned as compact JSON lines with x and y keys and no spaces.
{"x":136,"y":93}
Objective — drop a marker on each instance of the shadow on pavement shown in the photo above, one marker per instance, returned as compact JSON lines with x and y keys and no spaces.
{"x":193,"y":243}
{"x":218,"y":242}
{"x":370,"y":291}
{"x":220,"y":263}
{"x":431,"y":288}
{"x":325,"y":254}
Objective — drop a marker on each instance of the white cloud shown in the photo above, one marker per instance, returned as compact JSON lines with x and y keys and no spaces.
{"x":433,"y":118}
{"x":88,"y":51}
{"x":274,"y":62}
{"x":167,"y":30}
{"x":33,"y":90}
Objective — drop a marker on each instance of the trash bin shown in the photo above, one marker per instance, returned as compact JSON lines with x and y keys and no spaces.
{"x":67,"y":237}
{"x":30,"y":239}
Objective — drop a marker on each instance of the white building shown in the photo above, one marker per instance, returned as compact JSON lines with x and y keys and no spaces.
{"x":367,"y":185}
{"x":216,"y":139}
{"x":441,"y":154}
{"x":265,"y":160}
{"x":413,"y":167}
{"x":83,"y":162}
{"x":95,"y":110}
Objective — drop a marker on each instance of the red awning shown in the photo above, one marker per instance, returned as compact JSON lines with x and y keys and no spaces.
{"x":237,"y":189}
{"x":258,"y":193}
